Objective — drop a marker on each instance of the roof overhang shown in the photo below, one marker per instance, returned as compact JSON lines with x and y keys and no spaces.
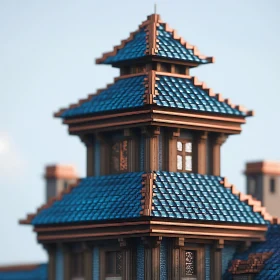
{"x":149,"y":226}
{"x":157,"y":116}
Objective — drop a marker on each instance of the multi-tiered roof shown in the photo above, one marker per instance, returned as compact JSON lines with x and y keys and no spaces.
{"x":152,"y":87}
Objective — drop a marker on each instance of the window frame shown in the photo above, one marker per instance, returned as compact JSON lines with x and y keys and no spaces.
{"x":200,"y":261}
{"x":103,"y":265}
{"x":183,"y":154}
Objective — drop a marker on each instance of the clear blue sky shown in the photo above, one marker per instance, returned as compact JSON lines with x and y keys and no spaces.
{"x":47,"y":52}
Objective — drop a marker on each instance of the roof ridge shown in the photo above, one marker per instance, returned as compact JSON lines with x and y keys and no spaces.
{"x":148,"y":180}
{"x":98,"y":91}
{"x":183,"y":42}
{"x":248,"y":199}
{"x":49,"y":203}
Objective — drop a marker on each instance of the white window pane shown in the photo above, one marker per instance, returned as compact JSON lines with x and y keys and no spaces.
{"x":179,"y":162}
{"x":179,"y":146}
{"x":188,"y":147}
{"x":188,"y":163}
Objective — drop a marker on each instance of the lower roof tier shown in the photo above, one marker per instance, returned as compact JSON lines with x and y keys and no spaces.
{"x":176,"y":195}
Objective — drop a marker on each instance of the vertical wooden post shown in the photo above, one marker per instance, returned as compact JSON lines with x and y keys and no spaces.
{"x":104,"y":154}
{"x":152,"y":257}
{"x":216,"y":263}
{"x":133,"y":151}
{"x":88,"y":263}
{"x":127,"y":250}
{"x":88,"y":140}
{"x":175,"y":255}
{"x":172,"y":150}
{"x":151,"y":148}
{"x":200,"y":157}
{"x":66,"y":262}
{"x":51,"y":249}
{"x":216,"y":153}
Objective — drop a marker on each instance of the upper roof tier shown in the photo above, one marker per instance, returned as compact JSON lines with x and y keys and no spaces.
{"x":154,"y":38}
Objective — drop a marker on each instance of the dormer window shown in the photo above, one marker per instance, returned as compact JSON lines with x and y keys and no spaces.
{"x":184,"y":155}
{"x":119,"y":157}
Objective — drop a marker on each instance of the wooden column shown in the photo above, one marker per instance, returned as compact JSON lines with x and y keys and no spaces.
{"x":151,"y":148}
{"x":88,"y":263}
{"x":216,"y":153}
{"x":66,"y":262}
{"x":51,"y":249}
{"x":129,"y":269}
{"x":200,"y":157}
{"x":133,"y":150}
{"x":172,"y":149}
{"x":104,"y":154}
{"x":88,"y":140}
{"x":175,"y":258}
{"x":152,"y":257}
{"x":216,"y":260}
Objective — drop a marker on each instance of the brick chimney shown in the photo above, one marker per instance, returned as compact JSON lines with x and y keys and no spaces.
{"x":263,"y":183}
{"x":58,"y":177}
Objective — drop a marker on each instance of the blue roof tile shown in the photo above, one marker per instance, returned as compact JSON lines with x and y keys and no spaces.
{"x":173,"y":92}
{"x":39,"y":273}
{"x":134,"y":49}
{"x":271,"y":268}
{"x":123,"y":94}
{"x":177,"y":195}
{"x":182,"y":93}
{"x":199,"y":197}
{"x":168,"y":47}
{"x":95,"y":199}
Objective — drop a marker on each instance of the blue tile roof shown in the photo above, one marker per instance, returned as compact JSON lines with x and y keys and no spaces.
{"x":173,"y":92}
{"x":199,"y":197}
{"x":123,"y":94}
{"x":182,"y":93}
{"x":177,"y":195}
{"x":271,"y":268}
{"x":95,"y":199}
{"x":39,"y":273}
{"x":168,"y":47}
{"x":134,"y":49}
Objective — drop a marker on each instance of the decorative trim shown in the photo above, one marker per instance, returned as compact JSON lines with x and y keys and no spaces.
{"x":147,"y":193}
{"x":254,"y":264}
{"x":248,"y":199}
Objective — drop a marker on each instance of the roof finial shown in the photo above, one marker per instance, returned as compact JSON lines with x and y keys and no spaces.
{"x":155,"y":8}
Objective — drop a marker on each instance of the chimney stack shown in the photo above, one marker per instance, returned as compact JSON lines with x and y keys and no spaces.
{"x":58,"y":178}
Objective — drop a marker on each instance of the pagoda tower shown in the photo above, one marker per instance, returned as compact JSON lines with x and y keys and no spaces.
{"x":153,"y":205}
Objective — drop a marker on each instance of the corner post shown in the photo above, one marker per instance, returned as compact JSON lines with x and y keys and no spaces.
{"x":172,"y":150}
{"x":152,"y":257}
{"x":216,"y":154}
{"x":151,"y":148}
{"x":51,"y":249}
{"x":216,"y":265}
